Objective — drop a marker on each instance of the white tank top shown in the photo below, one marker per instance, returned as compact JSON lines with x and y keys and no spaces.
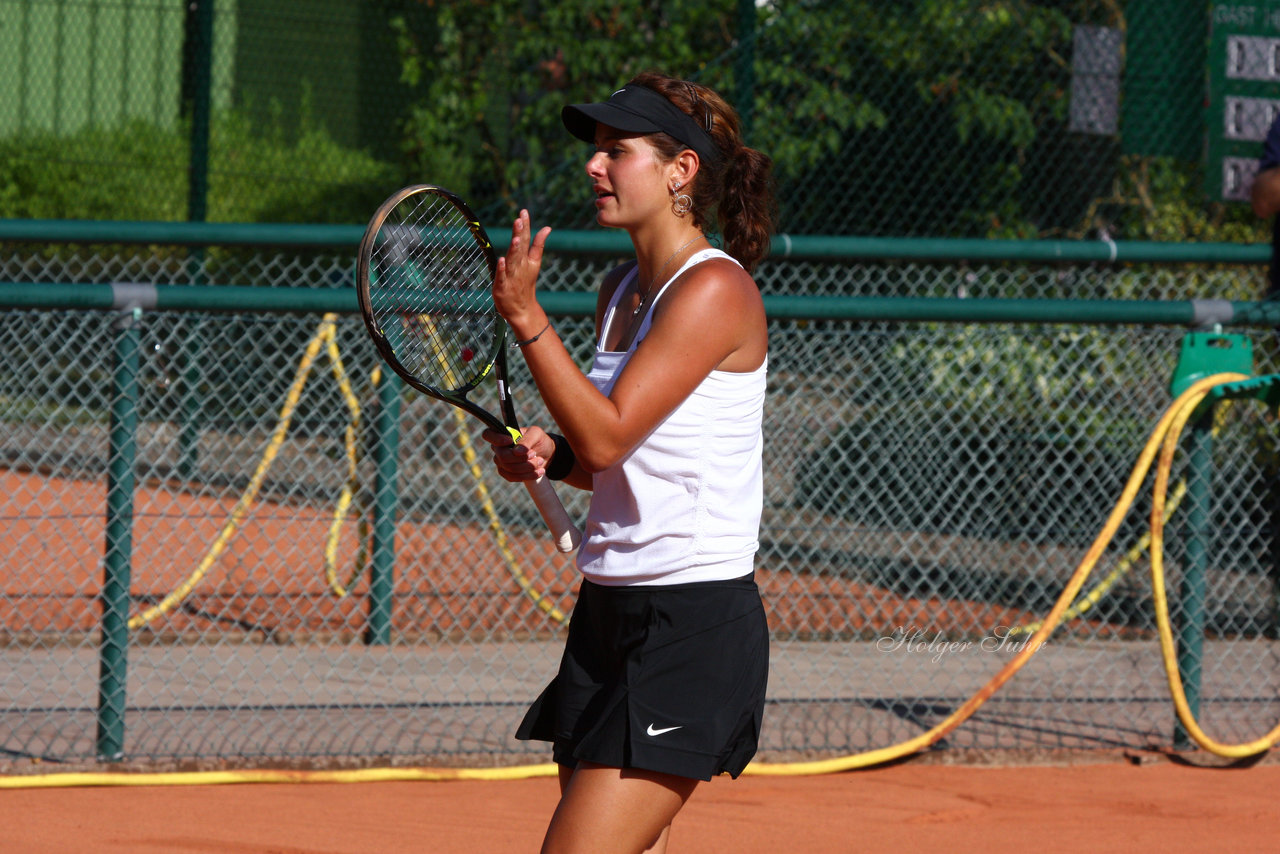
{"x":684,"y":505}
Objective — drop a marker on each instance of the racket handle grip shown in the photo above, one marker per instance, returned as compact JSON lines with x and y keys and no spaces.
{"x":567,"y":535}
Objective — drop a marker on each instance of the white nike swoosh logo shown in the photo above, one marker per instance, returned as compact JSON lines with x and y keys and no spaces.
{"x":652,"y":731}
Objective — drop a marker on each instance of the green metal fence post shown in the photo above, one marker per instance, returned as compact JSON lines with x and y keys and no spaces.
{"x":197,"y":88}
{"x":113,"y":650}
{"x":197,"y":91}
{"x":1198,"y":530}
{"x":745,"y":66}
{"x":386,"y":458}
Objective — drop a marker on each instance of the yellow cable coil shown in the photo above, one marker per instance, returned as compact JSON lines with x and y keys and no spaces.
{"x":1232,"y":751}
{"x":1122,"y":568}
{"x":1126,"y":562}
{"x":325,"y":336}
{"x":1167,"y":431}
{"x":495,"y":523}
{"x":351,"y":492}
{"x":1163,"y":440}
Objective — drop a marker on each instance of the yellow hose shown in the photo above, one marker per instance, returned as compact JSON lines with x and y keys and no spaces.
{"x":1167,"y":647}
{"x":324,"y":337}
{"x":351,"y":492}
{"x":215,"y":778}
{"x":1163,"y":440}
{"x":1126,"y":562}
{"x":495,"y":523}
{"x":486,"y":501}
{"x":1167,"y":432}
{"x":1122,"y":568}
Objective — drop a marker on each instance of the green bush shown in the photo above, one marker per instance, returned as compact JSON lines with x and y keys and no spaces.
{"x":94,"y":174}
{"x":138,"y":171}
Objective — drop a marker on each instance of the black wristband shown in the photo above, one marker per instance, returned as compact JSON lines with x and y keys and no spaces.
{"x":562,"y":460}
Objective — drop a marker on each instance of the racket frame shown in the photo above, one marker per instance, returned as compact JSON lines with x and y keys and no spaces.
{"x":566,"y":534}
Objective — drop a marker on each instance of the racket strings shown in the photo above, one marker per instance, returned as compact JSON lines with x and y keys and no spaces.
{"x":430,"y":291}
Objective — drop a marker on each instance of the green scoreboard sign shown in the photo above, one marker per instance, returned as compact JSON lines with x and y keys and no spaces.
{"x":1244,"y":93}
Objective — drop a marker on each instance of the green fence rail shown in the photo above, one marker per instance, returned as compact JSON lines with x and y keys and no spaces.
{"x":784,"y":246}
{"x":233,"y":298}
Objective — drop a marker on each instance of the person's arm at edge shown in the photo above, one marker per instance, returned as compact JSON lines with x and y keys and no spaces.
{"x":1265,"y":194}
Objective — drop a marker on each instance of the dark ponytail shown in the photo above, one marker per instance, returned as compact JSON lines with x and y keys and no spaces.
{"x":738,"y":186}
{"x":746,"y":214}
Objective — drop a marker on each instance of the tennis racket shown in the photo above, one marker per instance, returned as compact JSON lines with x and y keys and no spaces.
{"x":424,"y":276}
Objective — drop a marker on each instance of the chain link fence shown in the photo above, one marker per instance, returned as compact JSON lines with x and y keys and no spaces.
{"x":931,"y":485}
{"x":1119,"y":119}
{"x":213,"y":575}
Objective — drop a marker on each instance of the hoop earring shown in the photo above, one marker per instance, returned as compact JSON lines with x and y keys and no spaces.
{"x":681,"y":203}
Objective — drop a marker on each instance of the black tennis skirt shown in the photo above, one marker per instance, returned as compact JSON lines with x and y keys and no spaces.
{"x":665,"y":678}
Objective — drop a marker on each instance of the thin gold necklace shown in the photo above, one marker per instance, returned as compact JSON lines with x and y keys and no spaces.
{"x":644,"y":298}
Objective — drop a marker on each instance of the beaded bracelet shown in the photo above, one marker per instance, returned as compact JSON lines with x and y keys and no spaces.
{"x":528,"y":341}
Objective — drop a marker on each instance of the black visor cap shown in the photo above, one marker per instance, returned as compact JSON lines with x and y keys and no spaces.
{"x":638,"y":109}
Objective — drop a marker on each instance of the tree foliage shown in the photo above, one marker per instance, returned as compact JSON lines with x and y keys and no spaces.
{"x":491,"y":77}
{"x":931,"y":118}
{"x":916,"y":117}
{"x":866,"y":107}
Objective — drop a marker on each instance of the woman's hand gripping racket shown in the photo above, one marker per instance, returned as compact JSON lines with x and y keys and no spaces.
{"x":424,"y":277}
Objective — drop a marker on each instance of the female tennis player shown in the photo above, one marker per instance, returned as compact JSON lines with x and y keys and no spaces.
{"x":662,"y":681}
